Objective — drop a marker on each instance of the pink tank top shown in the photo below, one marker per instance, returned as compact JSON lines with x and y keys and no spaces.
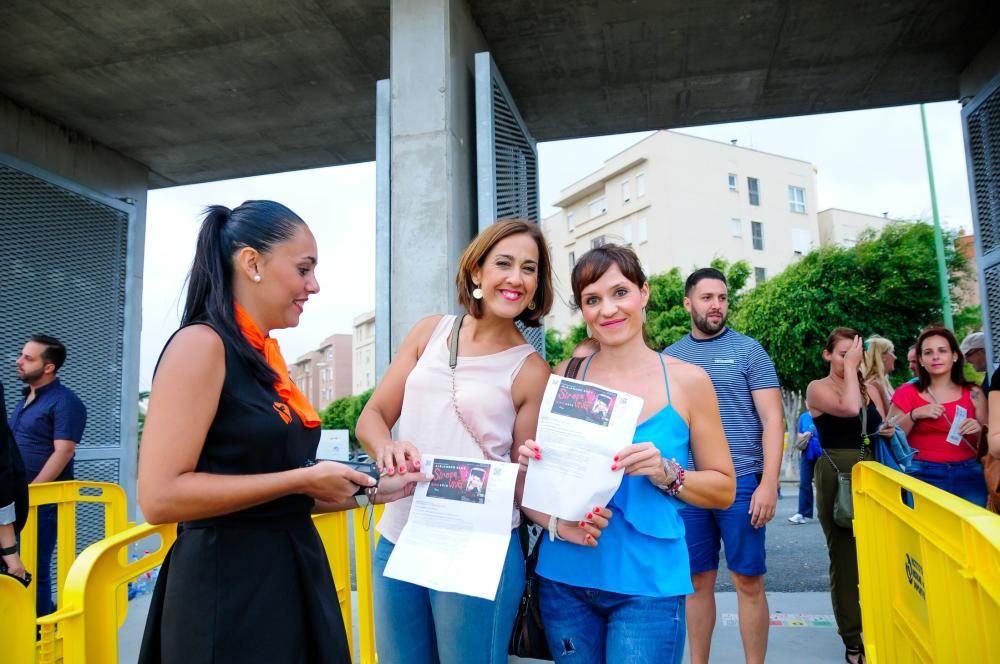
{"x":428,"y":419}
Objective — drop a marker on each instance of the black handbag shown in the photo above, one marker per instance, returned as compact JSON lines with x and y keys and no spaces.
{"x":528,"y":636}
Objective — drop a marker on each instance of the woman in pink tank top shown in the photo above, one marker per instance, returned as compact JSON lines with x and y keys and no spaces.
{"x":490,"y":404}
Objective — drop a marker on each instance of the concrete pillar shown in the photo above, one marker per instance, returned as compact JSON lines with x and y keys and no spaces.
{"x":432,"y":99}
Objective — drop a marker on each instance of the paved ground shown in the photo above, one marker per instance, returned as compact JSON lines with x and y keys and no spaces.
{"x":802,"y":627}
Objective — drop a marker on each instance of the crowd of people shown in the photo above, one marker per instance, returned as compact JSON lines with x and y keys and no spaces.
{"x":247,"y":579}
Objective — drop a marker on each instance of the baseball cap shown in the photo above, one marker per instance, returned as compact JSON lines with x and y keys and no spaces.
{"x":974,"y":341}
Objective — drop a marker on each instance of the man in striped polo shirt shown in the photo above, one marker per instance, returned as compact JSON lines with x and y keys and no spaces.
{"x":752,"y":416}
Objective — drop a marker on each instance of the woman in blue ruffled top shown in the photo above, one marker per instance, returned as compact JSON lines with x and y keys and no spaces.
{"x":623,"y":600}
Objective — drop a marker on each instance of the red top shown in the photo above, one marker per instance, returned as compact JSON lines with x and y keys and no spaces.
{"x":928,"y":436}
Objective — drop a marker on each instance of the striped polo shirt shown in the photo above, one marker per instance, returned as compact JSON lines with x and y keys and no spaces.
{"x":737,"y":365}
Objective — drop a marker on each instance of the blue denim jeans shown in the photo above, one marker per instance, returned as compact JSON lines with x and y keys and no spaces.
{"x":416,"y":625}
{"x":962,"y":478}
{"x":806,"y":468}
{"x":47,"y":515}
{"x":589,"y":626}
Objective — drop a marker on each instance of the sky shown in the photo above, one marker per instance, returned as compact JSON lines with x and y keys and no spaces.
{"x":867,"y":161}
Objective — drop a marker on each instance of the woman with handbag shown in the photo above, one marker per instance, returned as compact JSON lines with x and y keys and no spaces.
{"x":624,"y":601}
{"x":927,"y":410}
{"x":466,"y":386}
{"x":846,"y":413}
{"x":228,"y":452}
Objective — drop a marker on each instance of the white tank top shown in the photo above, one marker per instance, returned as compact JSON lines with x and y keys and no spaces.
{"x":428,"y":419}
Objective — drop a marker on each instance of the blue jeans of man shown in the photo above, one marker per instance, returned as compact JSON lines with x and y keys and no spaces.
{"x":417,"y":625}
{"x":806,"y":469}
{"x":47,"y":515}
{"x":590,"y":626}
{"x":963,"y":478}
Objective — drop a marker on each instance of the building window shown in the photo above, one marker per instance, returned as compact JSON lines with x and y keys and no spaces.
{"x":626,"y":191}
{"x":759,"y":275}
{"x":640,"y":184}
{"x":797,"y":199}
{"x":627,"y":234}
{"x":641,"y":230}
{"x":732,"y":182}
{"x":598,"y":207}
{"x":598,"y":241}
{"x":736,"y":227}
{"x":757,"y":230}
{"x":572,"y":259}
{"x":569,"y":222}
{"x":753,"y":189}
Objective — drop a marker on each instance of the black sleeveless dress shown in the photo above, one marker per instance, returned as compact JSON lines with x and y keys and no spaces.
{"x":254,"y":585}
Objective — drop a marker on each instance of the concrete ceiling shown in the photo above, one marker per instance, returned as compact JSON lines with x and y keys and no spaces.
{"x":202,"y":90}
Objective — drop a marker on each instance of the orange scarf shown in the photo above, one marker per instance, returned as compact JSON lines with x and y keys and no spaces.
{"x":286,"y":389}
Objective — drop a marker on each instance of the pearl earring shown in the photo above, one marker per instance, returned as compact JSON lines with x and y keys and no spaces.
{"x":477,"y":293}
{"x":531,"y":306}
{"x":256,"y":278}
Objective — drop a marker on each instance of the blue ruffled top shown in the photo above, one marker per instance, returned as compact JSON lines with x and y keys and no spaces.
{"x":642,"y":551}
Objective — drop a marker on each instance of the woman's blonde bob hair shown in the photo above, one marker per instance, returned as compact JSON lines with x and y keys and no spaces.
{"x":477,"y":251}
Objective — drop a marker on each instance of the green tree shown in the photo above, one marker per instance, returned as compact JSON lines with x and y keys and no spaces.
{"x":666,"y":319}
{"x":344,"y":413}
{"x":886,"y":284}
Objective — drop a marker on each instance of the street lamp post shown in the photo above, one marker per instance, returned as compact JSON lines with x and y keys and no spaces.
{"x":938,"y":239}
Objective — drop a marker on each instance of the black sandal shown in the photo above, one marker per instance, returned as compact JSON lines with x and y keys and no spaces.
{"x":854,"y":651}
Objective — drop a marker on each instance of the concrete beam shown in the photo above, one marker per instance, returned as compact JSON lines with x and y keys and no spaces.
{"x":432,"y":47}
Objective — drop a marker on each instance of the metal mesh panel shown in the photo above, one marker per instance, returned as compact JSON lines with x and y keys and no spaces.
{"x":90,"y":516}
{"x":982,"y":135}
{"x":991,"y":310}
{"x":984,"y":152}
{"x":64,"y":263}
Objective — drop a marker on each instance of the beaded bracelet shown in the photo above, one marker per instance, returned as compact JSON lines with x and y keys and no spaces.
{"x":674,"y":487}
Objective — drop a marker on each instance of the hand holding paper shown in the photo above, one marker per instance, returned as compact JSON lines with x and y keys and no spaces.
{"x":581,"y":427}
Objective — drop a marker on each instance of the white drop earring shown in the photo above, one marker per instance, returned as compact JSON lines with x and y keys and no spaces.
{"x":477,"y":293}
{"x":256,"y":278}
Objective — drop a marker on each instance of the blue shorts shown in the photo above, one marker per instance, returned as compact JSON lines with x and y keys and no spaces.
{"x":704,"y":528}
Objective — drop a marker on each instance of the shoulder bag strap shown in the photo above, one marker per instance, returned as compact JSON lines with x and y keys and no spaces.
{"x":573,"y":368}
{"x":455,"y":329}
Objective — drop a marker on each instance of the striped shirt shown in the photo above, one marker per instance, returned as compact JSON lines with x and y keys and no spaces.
{"x":737,"y":365}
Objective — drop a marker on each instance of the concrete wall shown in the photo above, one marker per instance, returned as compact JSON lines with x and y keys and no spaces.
{"x":433,"y":154}
{"x":687,"y":209}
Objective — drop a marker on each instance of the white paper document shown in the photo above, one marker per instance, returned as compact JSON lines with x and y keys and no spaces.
{"x":954,"y":437}
{"x":457,"y":535}
{"x":581,"y":427}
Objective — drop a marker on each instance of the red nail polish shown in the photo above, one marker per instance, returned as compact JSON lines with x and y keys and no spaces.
{"x":538,"y":457}
{"x":597,"y":510}
{"x":614,"y":466}
{"x":589,"y":515}
{"x":391,"y":471}
{"x":616,"y":458}
{"x":402,"y":469}
{"x":582,"y":524}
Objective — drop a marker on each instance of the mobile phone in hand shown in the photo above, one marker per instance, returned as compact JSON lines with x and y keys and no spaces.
{"x":368,"y":469}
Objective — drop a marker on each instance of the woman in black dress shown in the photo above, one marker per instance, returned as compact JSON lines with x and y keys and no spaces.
{"x":226,"y":453}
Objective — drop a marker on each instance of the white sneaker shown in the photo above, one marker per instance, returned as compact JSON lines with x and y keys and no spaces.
{"x":798,"y":518}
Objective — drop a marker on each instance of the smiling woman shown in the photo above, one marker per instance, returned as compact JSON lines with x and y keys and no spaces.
{"x":227,"y":451}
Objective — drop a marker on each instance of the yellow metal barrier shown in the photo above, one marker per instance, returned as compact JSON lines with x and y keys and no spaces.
{"x":93,"y":606}
{"x":17,"y":604}
{"x":929,"y":571}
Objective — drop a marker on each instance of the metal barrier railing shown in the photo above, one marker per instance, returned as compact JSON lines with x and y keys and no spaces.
{"x":92,"y":588}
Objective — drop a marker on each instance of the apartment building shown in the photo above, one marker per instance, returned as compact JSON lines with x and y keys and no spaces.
{"x":843,"y":227}
{"x":324,"y":374}
{"x":363,"y":352}
{"x":681,"y":201}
